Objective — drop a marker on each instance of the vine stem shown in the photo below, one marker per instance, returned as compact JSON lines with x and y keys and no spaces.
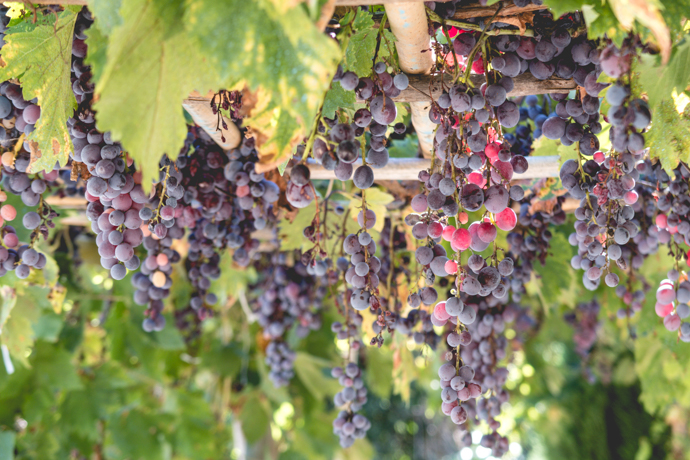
{"x":314,"y":130}
{"x":480,"y":40}
{"x":474,"y":27}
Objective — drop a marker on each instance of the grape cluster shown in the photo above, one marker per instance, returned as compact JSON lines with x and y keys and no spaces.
{"x":115,"y":200}
{"x":532,"y":117}
{"x":606,"y":187}
{"x":349,"y":425}
{"x":585,"y":320}
{"x":337,"y":146}
{"x":290,"y":299}
{"x":530,"y":241}
{"x":153,"y":281}
{"x":361,"y":273}
{"x":672,"y":299}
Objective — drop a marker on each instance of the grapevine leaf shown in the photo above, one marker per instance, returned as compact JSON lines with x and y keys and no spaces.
{"x":40,"y":56}
{"x":566,"y":153}
{"x":362,"y":45}
{"x":601,"y":20}
{"x":291,"y":232}
{"x":97,"y":43}
{"x":54,"y":368}
{"x":556,"y":273}
{"x":387,"y":50}
{"x":254,"y":418}
{"x":377,"y":200}
{"x":406,"y":147}
{"x":647,"y":13}
{"x":309,"y":369}
{"x":675,"y":13}
{"x":17,"y":333}
{"x":131,"y":435}
{"x":560,"y":7}
{"x":106,"y":14}
{"x":278,"y":53}
{"x":337,"y":98}
{"x":148,"y":73}
{"x":379,"y":374}
{"x":544,"y":147}
{"x":48,"y":327}
{"x":78,"y":411}
{"x":9,"y":300}
{"x":659,"y":81}
{"x":669,"y":138}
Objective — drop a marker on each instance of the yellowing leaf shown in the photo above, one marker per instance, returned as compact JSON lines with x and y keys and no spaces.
{"x":151,"y":67}
{"x":276,"y":50}
{"x":377,"y":200}
{"x":647,"y":13}
{"x":40,"y":55}
{"x":659,"y":81}
{"x":669,"y":137}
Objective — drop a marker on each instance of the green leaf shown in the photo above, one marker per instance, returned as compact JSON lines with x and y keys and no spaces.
{"x":601,"y":21}
{"x":41,"y":57}
{"x":567,"y":153}
{"x":9,"y":300}
{"x":7,"y":444}
{"x":406,"y":147}
{"x":274,"y":49}
{"x":98,"y":49}
{"x":362,"y":44}
{"x":377,"y":200}
{"x":556,"y":274}
{"x":379,"y":373}
{"x":254,"y":418}
{"x":559,"y":7}
{"x":337,"y":98}
{"x":134,"y":435}
{"x":291,"y":232}
{"x":669,"y":138}
{"x":151,"y":67}
{"x":54,"y":368}
{"x":310,"y":371}
{"x":660,"y":81}
{"x":18,"y":333}
{"x":48,"y":327}
{"x":544,"y":147}
{"x":106,"y":14}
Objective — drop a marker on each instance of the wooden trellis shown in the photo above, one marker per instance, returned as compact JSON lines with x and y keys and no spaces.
{"x":408,"y":21}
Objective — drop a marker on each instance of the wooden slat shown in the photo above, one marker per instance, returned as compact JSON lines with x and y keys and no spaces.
{"x":200,"y":109}
{"x":478,"y":11}
{"x":423,"y":86}
{"x":408,"y":169}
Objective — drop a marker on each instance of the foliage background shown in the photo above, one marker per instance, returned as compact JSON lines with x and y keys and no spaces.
{"x":82,"y":380}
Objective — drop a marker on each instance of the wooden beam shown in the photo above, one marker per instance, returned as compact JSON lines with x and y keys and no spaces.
{"x":508,"y":9}
{"x":199,"y":108}
{"x":408,"y":168}
{"x":423,"y":86}
{"x":409,"y":24}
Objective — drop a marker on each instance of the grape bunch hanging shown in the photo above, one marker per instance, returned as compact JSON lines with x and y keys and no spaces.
{"x":451,"y":264}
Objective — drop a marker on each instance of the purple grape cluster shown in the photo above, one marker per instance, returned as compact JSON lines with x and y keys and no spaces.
{"x":530,"y":241}
{"x":361,"y":274}
{"x":349,"y":425}
{"x":585,"y":321}
{"x":290,"y":299}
